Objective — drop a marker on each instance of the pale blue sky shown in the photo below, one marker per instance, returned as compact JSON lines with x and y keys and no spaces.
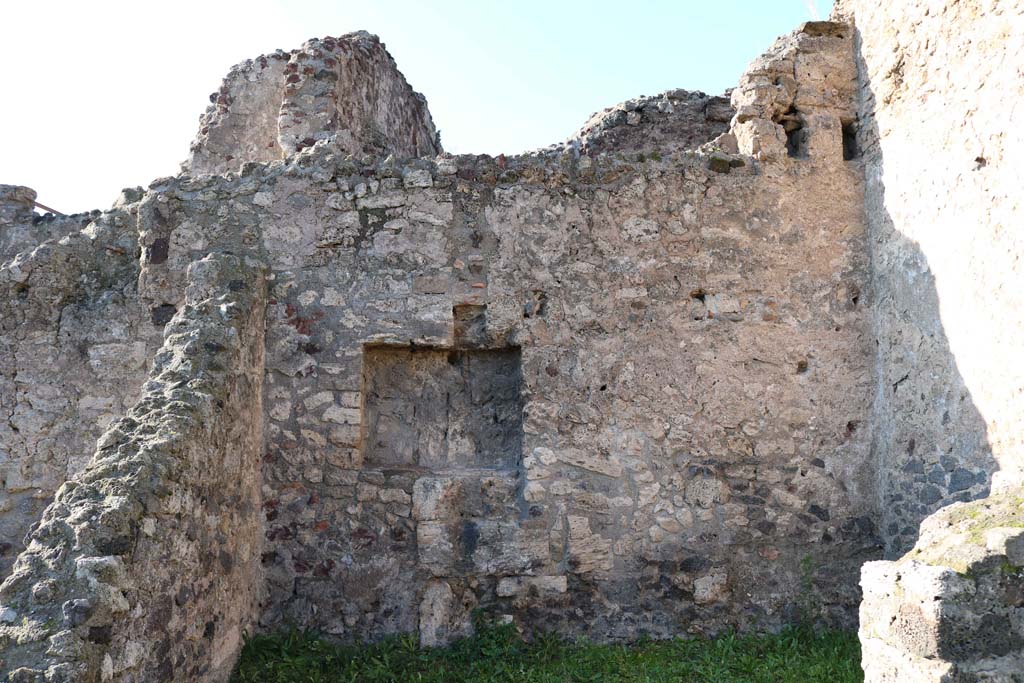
{"x":106,"y":94}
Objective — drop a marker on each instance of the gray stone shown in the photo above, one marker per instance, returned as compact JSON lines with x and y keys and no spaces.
{"x":330,"y":379}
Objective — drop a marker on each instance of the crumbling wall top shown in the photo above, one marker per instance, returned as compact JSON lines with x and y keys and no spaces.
{"x":16,"y":203}
{"x":347,"y":88}
{"x":675,"y":120}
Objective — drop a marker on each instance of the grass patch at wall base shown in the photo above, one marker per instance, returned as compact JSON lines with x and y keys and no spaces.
{"x":498,"y":654}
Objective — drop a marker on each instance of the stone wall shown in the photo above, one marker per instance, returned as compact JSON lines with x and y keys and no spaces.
{"x":145,"y":566}
{"x":668,"y":377}
{"x":615,"y":387}
{"x":691,"y":334}
{"x":348,"y":88}
{"x":689,"y":347}
{"x":75,"y":344}
{"x":940,"y":89}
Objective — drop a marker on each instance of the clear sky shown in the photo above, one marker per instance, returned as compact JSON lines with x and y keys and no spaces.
{"x":105,"y":94}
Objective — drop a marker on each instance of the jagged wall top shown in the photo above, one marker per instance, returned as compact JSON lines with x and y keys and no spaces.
{"x":347,"y":88}
{"x":798,"y":96}
{"x":673,"y":121}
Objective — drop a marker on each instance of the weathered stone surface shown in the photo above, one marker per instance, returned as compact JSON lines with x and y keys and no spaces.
{"x":145,"y":566}
{"x":649,"y":381}
{"x":22,"y":230}
{"x":444,"y":614}
{"x":935,"y":128}
{"x":940,"y":148}
{"x":950,"y":610}
{"x":636,"y":374}
{"x":796,"y":98}
{"x":347,"y":89}
{"x":674,"y":121}
{"x":75,"y":343}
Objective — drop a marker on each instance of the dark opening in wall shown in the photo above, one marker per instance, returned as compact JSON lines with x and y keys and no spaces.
{"x":536,"y":305}
{"x":796,"y":146}
{"x":470,"y":322}
{"x":796,"y":141}
{"x":442,"y":409}
{"x":850,"y":148}
{"x":162,"y":314}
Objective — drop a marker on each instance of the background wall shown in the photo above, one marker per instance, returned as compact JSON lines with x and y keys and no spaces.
{"x":145,"y":567}
{"x":75,"y":345}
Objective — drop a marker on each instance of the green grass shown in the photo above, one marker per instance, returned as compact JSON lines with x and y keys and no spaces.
{"x":498,"y":655}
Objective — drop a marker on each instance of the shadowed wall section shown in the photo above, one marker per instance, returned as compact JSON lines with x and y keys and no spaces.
{"x":940,"y":93}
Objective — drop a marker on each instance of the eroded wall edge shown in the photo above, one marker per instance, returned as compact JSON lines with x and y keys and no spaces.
{"x":146,"y":565}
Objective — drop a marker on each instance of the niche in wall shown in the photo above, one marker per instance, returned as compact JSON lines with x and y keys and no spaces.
{"x":441,"y":409}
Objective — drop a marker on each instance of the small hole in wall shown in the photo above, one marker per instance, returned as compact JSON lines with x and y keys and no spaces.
{"x":162,"y":314}
{"x":699,"y":294}
{"x":536,"y":305}
{"x":604,"y":387}
{"x":801,"y":366}
{"x":980,"y":162}
{"x":157,"y":252}
{"x":850,"y":149}
{"x":795,"y":144}
{"x":310,"y":348}
{"x":796,"y":139}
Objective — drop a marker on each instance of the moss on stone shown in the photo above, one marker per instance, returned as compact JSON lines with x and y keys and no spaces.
{"x":959,"y":536}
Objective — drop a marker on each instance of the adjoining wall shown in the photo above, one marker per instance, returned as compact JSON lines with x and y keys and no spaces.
{"x":145,"y":567}
{"x":940,"y":84}
{"x":347,"y":88}
{"x":940,"y":95}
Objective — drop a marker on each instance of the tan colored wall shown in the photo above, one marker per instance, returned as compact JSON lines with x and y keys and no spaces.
{"x":940,"y":93}
{"x":940,"y":102}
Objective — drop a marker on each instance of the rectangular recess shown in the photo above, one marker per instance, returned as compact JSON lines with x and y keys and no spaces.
{"x":442,"y":409}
